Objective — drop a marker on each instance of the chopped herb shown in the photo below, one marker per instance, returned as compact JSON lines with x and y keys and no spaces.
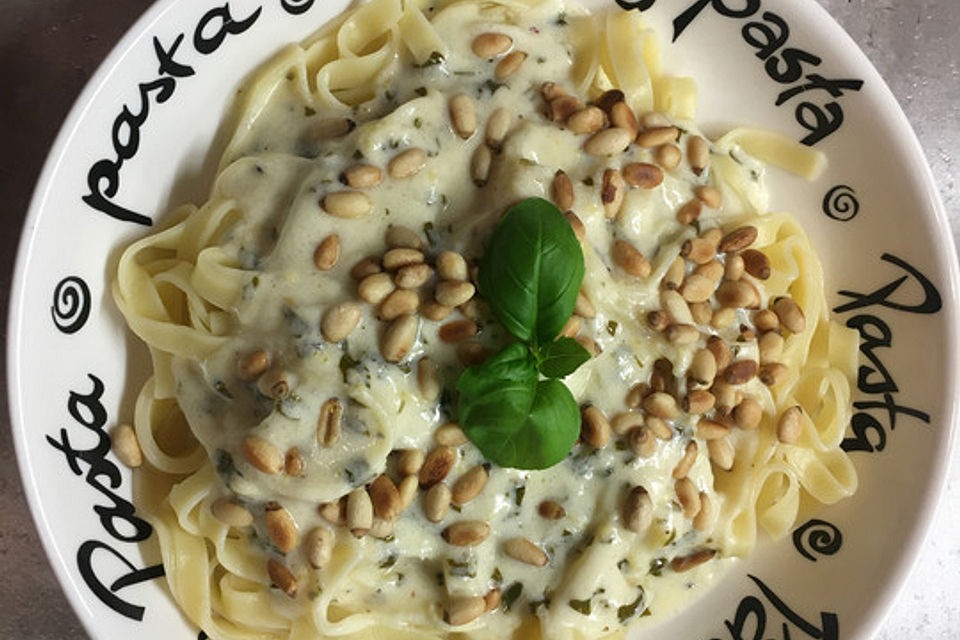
{"x":346,"y":364}
{"x":417,"y":123}
{"x":389,"y":95}
{"x":420,"y":91}
{"x":491,"y":85}
{"x":612,"y":327}
{"x":627,"y":611}
{"x":623,"y":564}
{"x":435,"y":58}
{"x":518,"y":494}
{"x":389,"y":561}
{"x":541,"y":59}
{"x":441,"y":579}
{"x":255,"y":282}
{"x":358,"y":155}
{"x":510,"y":595}
{"x":394,"y":144}
{"x":464,"y":73}
{"x":561,"y":20}
{"x":496,"y":576}
{"x":313,"y":594}
{"x":222,"y":389}
{"x":225,"y":466}
{"x":464,"y":569}
{"x":588,"y":181}
{"x":581,"y":606}
{"x":536,"y":604}
{"x":307,"y":111}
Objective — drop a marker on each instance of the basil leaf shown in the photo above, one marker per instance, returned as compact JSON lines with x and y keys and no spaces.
{"x":531,"y":271}
{"x":513,"y":418}
{"x":562,"y":357}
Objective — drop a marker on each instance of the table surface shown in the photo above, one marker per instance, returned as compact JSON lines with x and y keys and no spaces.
{"x":914,"y":45}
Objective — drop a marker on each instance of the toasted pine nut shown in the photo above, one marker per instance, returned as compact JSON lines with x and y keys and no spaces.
{"x":498,"y":124}
{"x":385,"y":498}
{"x":721,"y":453}
{"x":708,"y":510}
{"x":662,"y":378}
{"x":251,"y":366}
{"x":510,"y":64}
{"x":697,"y":288}
{"x":375,"y":287}
{"x":594,"y":426}
{"x":451,"y":266}
{"x":698,"y":154}
{"x":550,"y":510}
{"x":676,"y":307}
{"x":453,"y":293}
{"x":712,"y":271}
{"x":674,"y":274}
{"x":737,"y":294}
{"x":464,"y":609}
{"x":790,"y":314}
{"x":756,"y":263}
{"x":591,"y":345}
{"x":457,"y":331}
{"x":653,"y":120}
{"x":560,"y":109}
{"x":551,"y":90}
{"x":262,"y":454}
{"x":773,"y":373}
{"x":726,"y":397}
{"x":612,"y":193}
{"x":359,"y":512}
{"x":293,"y":463}
{"x":408,"y":490}
{"x":609,"y":98}
{"x":790,"y":425}
{"x":401,"y":237}
{"x":398,"y":338}
{"x":491,"y":44}
{"x":702,"y":312}
{"x":409,"y":461}
{"x":436,"y":502}
{"x":687,"y":496}
{"x":608,"y":142}
{"x":738,"y":239}
{"x":657,"y":136}
{"x":407,"y":163}
{"x":449,"y":434}
{"x":711,"y":429}
{"x":126,"y":447}
{"x":698,"y":401}
{"x":698,"y":250}
{"x":621,"y":115}
{"x":466,"y":533}
{"x":472,"y":352}
{"x":281,"y":528}
{"x":734,"y":267}
{"x":437,"y":465}
{"x":680,"y":334}
{"x":695,"y":559}
{"x":318,"y":547}
{"x":328,"y":422}
{"x":413,"y":276}
{"x":584,"y":308}
{"x":334,"y":512}
{"x":231,"y":513}
{"x":703,"y":368}
{"x":561,"y":190}
{"x":642,"y":175}
{"x":347,"y":204}
{"x":668,"y":156}
{"x":363,"y":176}
{"x":463,"y":115}
{"x":689,"y":212}
{"x":740,"y":372}
{"x":327,"y":253}
{"x":433,"y":310}
{"x":525,"y":551}
{"x":427,"y":381}
{"x":628,"y":258}
{"x":641,"y":442}
{"x":638,"y":510}
{"x":709,"y":196}
{"x":572,"y":327}
{"x":339,"y":321}
{"x":364,"y":268}
{"x":661,"y":405}
{"x":330,"y":128}
{"x":658,"y":427}
{"x":720,"y":351}
{"x":687,"y":461}
{"x":723,"y":318}
{"x":657,"y":320}
{"x":281,"y":577}
{"x":469,"y":485}
{"x":622,"y":423}
{"x":399,"y":257}
{"x":770,"y":346}
{"x":747,"y":414}
{"x":766,"y":320}
{"x":586,"y":120}
{"x":480,"y":165}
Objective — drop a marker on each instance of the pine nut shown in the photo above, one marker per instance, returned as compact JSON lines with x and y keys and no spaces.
{"x":711,"y":429}
{"x":466,"y":533}
{"x":721,"y":453}
{"x":622,"y":423}
{"x":583,"y":307}
{"x":708,"y":510}
{"x":550,"y":510}
{"x":689,"y":212}
{"x":561,"y":190}
{"x":674,"y":274}
{"x":498,"y":125}
{"x":510,"y":64}
{"x":327,"y":253}
{"x":697,"y":288}
{"x":790,"y":314}
{"x":251,"y":366}
{"x":766,"y":320}
{"x":698,"y":250}
{"x":281,"y":528}
{"x":464,"y":609}
{"x":427,"y":381}
{"x":408,"y":490}
{"x":472,"y":352}
{"x":594,"y":426}
{"x":385,"y":498}
{"x":407,"y":163}
{"x":668,"y":156}
{"x":642,"y":175}
{"x":612,"y":193}
{"x":773,"y":373}
{"x":576,"y":224}
{"x":293,"y":463}
{"x":621,"y":115}
{"x":318,"y":547}
{"x":681,"y":334}
{"x":756,"y":263}
{"x":436,"y":502}
{"x":638,"y":510}
{"x":480,"y":165}
{"x":653,"y":119}
{"x":453,"y":293}
{"x":126,"y":447}
{"x":709,"y":196}
{"x":695,"y":559}
{"x":560,"y":109}
{"x":398,"y":338}
{"x":734,"y":268}
{"x":641,"y":442}
{"x":628,"y":258}
{"x":662,"y":378}
{"x":726,"y":397}
{"x":452,"y":266}
{"x":738,"y":239}
{"x":334,"y":512}
{"x":339,"y":321}
{"x":661,"y":405}
{"x":463,"y":115}
{"x":609,"y":98}
{"x":657,"y":136}
{"x":591,"y":345}
{"x":328,"y":422}
{"x":525,"y":551}
{"x":231,"y":514}
{"x":698,"y":154}
{"x":330,"y":128}
{"x":712,"y":271}
{"x":433,"y":310}
{"x":571,"y":327}
{"x":398,"y":303}
{"x":723,"y":318}
{"x":359,"y":512}
{"x":720,"y":351}
{"x":449,"y":434}
{"x":587,"y":120}
{"x":363,"y":176}
{"x":262,"y":454}
{"x":770,"y":346}
{"x":698,"y":401}
{"x":375,"y":287}
{"x":657,"y":320}
{"x":790,"y":425}
{"x":658,"y":427}
{"x":381,"y":529}
{"x":281,"y":577}
{"x":437,"y":465}
{"x":491,"y":44}
{"x":737,"y":294}
{"x":364,"y":268}
{"x":687,"y":461}
{"x":740,"y":372}
{"x":347,"y":204}
{"x":702,"y":312}
{"x":687,"y":496}
{"x":747,"y":414}
{"x":400,"y":257}
{"x":409,"y":461}
{"x":608,"y":142}
{"x":469,"y":485}
{"x":413,"y":276}
{"x":551,"y":90}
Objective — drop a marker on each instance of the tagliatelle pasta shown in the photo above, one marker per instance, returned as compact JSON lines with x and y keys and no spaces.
{"x":307,"y":325}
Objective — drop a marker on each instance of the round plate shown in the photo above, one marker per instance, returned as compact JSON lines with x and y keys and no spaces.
{"x":144,"y":136}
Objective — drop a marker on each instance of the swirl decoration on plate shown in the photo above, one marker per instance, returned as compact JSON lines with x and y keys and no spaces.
{"x":639,"y":5}
{"x":841,"y":203}
{"x":71,"y":304}
{"x":296,"y":7}
{"x":820,"y":536}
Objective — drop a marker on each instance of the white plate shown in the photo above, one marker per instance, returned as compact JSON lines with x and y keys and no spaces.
{"x":874,"y":216}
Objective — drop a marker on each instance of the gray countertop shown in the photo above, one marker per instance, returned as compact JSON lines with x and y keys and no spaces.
{"x":49,"y":49}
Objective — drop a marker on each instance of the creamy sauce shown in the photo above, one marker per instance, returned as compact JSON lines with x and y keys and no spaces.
{"x":599,"y":574}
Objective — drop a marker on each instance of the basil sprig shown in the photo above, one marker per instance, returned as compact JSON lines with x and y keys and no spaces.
{"x":513,"y":407}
